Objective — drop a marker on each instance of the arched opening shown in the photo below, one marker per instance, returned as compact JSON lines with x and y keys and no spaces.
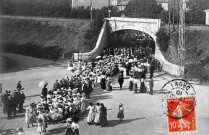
{"x":141,"y":44}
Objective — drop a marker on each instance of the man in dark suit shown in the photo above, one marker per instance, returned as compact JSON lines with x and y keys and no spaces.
{"x":5,"y":101}
{"x":56,"y":85}
{"x":13,"y":101}
{"x":86,"y":89}
{"x":19,"y":86}
{"x":21,"y":96}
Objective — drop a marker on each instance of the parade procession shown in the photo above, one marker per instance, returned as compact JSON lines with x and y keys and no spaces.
{"x":104,"y":67}
{"x":66,"y":100}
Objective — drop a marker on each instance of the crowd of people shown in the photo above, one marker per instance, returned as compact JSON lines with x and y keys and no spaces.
{"x":12,"y":100}
{"x":66,"y":100}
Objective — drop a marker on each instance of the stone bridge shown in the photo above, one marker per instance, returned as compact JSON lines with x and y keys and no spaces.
{"x":113,"y":24}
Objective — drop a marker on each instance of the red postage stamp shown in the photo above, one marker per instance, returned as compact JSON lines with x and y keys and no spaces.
{"x":181,"y":115}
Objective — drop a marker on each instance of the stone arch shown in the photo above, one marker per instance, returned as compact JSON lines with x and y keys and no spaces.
{"x":141,"y":29}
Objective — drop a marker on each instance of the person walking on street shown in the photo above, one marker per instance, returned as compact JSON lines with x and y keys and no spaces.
{"x":90,"y":117}
{"x":44,"y":90}
{"x":5,"y":101}
{"x":120,"y":112}
{"x":103,"y":115}
{"x":131,"y":83}
{"x":121,"y":80}
{"x":13,"y":101}
{"x":21,"y":100}
{"x":19,"y":85}
{"x":151,"y":85}
{"x":97,"y":114}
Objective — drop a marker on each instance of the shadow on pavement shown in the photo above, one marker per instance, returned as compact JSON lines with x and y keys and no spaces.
{"x":33,"y":95}
{"x":56,"y":131}
{"x":113,"y":123}
{"x":8,"y":132}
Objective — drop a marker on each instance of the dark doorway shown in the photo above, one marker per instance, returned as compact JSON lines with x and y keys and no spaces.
{"x":131,"y":38}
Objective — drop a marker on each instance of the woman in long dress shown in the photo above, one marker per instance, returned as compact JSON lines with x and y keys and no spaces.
{"x":97,"y":114}
{"x":120,"y":112}
{"x":131,"y":83}
{"x":83,"y":105}
{"x":103,"y":115}
{"x":108,"y":83}
{"x":121,"y":80}
{"x":135,"y":83}
{"x":30,"y":114}
{"x":103,"y":82}
{"x":90,"y":117}
{"x":68,"y":126}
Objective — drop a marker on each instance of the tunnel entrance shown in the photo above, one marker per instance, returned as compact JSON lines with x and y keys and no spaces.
{"x":139,"y":43}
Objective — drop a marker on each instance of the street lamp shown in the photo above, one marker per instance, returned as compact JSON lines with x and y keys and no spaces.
{"x":109,"y":11}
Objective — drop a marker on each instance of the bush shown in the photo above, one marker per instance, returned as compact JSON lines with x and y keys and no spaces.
{"x":163,"y":39}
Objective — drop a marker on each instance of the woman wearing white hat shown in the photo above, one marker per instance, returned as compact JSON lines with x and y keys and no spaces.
{"x":69,"y":130}
{"x":90,"y":117}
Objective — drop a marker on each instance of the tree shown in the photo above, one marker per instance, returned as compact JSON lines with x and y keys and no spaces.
{"x":195,"y":13}
{"x":143,"y":9}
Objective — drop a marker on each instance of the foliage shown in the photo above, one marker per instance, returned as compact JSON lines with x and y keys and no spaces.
{"x":143,"y":9}
{"x":44,"y":8}
{"x":163,"y":39}
{"x":98,"y":21}
{"x":195,"y":13}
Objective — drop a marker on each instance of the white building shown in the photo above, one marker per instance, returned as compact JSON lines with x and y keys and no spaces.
{"x":207,"y":17}
{"x":165,"y":3}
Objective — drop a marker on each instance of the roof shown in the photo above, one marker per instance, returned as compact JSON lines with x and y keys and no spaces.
{"x":162,"y":1}
{"x":207,"y":10}
{"x":166,"y":1}
{"x":123,"y":2}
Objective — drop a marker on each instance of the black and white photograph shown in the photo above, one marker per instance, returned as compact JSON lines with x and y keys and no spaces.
{"x":104,"y":67}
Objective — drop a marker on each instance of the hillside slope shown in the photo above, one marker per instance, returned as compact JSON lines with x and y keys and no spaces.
{"x":45,"y":36}
{"x":197,"y":52}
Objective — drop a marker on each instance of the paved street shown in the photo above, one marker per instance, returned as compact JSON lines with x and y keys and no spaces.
{"x":143,"y":112}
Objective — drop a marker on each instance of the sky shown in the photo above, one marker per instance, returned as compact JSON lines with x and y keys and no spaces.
{"x":95,"y":3}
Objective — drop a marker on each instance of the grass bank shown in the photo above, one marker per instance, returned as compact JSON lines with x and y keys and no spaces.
{"x":45,"y":38}
{"x":197,"y":48}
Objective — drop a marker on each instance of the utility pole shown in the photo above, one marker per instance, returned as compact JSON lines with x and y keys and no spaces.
{"x":169,"y":15}
{"x":181,"y":44}
{"x":91,"y":13}
{"x":72,"y":5}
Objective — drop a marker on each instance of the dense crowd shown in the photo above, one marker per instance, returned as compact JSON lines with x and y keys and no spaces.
{"x":66,"y":100}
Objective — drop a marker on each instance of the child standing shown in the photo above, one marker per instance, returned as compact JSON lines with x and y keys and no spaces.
{"x":40,"y":128}
{"x":120,"y":112}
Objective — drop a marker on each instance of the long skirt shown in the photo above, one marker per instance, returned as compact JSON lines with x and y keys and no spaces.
{"x":135,"y":88}
{"x":131,"y":84}
{"x":108,"y":86}
{"x":120,"y":114}
{"x":83,"y":107}
{"x":29,"y":118}
{"x":40,"y":129}
{"x":97,"y":116}
{"x":103,"y":120}
{"x":69,"y":131}
{"x":103,"y":86}
{"x":90,"y":118}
